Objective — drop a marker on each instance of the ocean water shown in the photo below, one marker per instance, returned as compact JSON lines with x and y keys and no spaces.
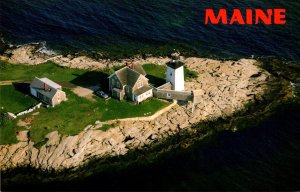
{"x":265,"y":157}
{"x":130,"y":27}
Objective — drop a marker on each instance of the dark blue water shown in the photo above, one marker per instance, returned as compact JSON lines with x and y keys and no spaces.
{"x":140,"y":26}
{"x":266,"y":157}
{"x":261,"y":158}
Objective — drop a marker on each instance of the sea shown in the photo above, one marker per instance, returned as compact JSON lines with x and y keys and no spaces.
{"x":263,"y":157}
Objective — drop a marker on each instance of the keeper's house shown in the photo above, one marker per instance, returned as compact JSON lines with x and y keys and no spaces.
{"x":47,"y":91}
{"x":130,"y":83}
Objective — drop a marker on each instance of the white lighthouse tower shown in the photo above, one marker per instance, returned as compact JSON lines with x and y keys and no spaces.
{"x":175,"y":73}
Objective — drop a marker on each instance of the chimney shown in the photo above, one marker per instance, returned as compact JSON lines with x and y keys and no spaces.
{"x":45,"y":87}
{"x":132,"y":66}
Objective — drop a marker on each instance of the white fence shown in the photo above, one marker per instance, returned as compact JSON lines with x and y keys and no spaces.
{"x":31,"y":109}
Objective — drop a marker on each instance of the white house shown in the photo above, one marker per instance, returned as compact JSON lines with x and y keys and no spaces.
{"x":47,"y":91}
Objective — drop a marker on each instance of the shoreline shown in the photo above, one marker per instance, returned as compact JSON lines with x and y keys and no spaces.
{"x":154,"y":152}
{"x":29,"y":54}
{"x":57,"y":139}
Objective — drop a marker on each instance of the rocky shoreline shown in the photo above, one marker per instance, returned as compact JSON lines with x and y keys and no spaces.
{"x":32,"y":54}
{"x":227,"y":87}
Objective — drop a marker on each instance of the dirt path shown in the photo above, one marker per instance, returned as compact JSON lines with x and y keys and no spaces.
{"x":86,"y":92}
{"x":9,"y":82}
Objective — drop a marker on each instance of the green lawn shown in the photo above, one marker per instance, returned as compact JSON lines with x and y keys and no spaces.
{"x":72,"y":116}
{"x":14,"y":101}
{"x":28,"y":72}
{"x":8,"y":130}
{"x":67,"y":77}
{"x":157,"y":73}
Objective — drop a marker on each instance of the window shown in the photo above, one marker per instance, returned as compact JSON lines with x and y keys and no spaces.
{"x":168,"y":94}
{"x":170,"y":73}
{"x":140,"y":84}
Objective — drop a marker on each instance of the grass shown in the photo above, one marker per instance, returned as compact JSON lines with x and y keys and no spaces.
{"x":105,"y":127}
{"x":28,"y":72}
{"x":189,"y":74}
{"x":8,"y":130}
{"x":14,"y":101}
{"x":157,"y":73}
{"x":67,"y":77}
{"x":72,"y":116}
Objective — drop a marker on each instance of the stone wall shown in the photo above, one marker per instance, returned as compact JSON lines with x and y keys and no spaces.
{"x":171,"y":94}
{"x":167,"y":86}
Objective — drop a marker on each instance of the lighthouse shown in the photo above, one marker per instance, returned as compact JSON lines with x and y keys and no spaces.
{"x":175,"y":73}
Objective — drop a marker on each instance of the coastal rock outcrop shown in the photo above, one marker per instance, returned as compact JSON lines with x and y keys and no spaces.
{"x":226,"y":86}
{"x":32,"y":55}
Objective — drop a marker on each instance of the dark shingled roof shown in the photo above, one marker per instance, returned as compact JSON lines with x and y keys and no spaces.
{"x":142,"y":90}
{"x":39,"y":85}
{"x":122,"y":75}
{"x":127,"y":76}
{"x":175,"y":64}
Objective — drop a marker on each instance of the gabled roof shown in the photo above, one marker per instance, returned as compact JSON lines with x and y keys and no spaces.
{"x":127,"y":76}
{"x":50,"y":83}
{"x":52,"y":87}
{"x":140,"y":69}
{"x":142,"y":90}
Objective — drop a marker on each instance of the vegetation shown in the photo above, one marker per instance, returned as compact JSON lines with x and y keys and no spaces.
{"x":28,"y":72}
{"x":189,"y":74}
{"x":71,"y":116}
{"x":157,"y":73}
{"x":14,"y":101}
{"x":8,"y":130}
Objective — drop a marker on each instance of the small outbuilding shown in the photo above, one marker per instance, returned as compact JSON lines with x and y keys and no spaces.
{"x":47,"y":91}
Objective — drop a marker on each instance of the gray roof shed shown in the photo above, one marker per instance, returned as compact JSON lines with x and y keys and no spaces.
{"x":51,"y":87}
